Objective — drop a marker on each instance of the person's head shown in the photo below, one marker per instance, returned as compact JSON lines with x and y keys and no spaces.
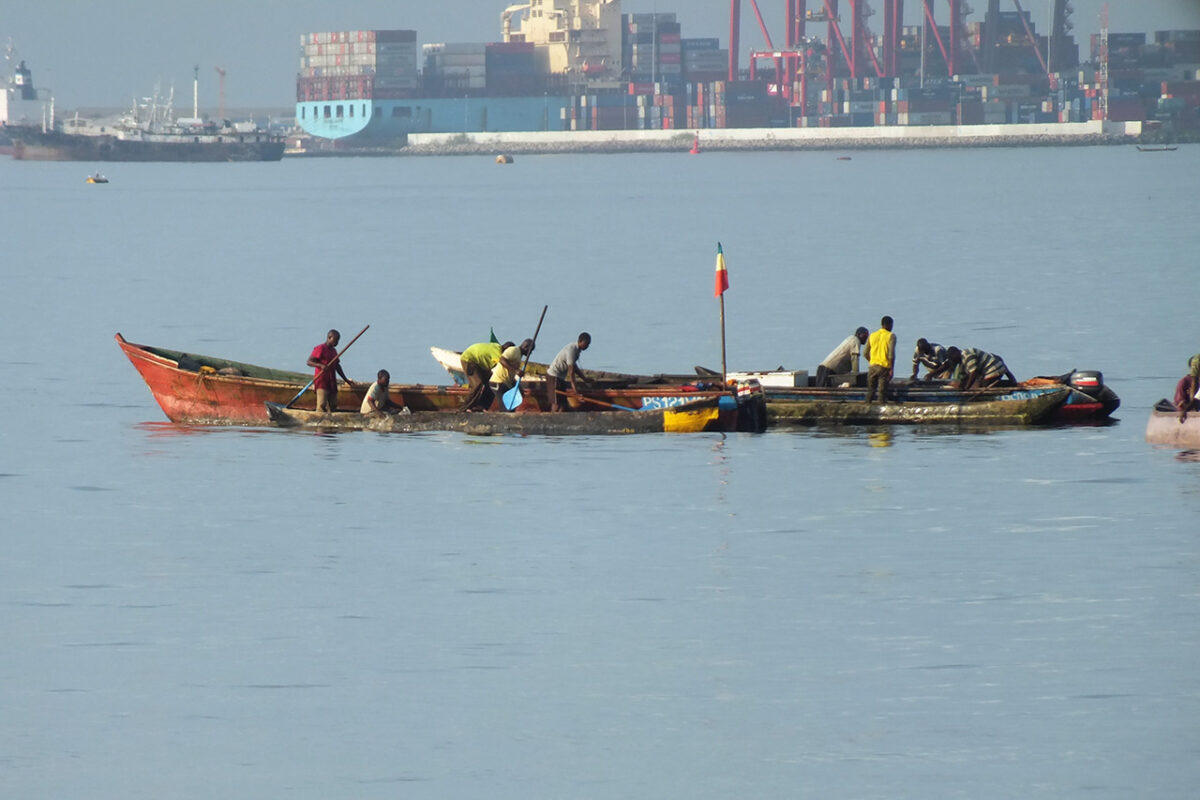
{"x":333,"y":337}
{"x":507,"y":345}
{"x":886,"y":323}
{"x":584,"y":340}
{"x":953,"y":354}
{"x":923,"y":346}
{"x":511,"y":356}
{"x":383,"y":377}
{"x":862,"y":334}
{"x":527,"y":347}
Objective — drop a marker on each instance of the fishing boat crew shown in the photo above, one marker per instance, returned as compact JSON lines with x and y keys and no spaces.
{"x":844,"y":358}
{"x":1187,"y":391}
{"x":376,"y":400}
{"x":977,"y":369}
{"x":565,"y":370}
{"x":882,"y":360}
{"x":327,"y":370}
{"x":504,"y":374}
{"x":930,"y":355}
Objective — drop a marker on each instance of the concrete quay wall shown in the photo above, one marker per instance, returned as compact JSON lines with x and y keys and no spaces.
{"x":747,"y":139}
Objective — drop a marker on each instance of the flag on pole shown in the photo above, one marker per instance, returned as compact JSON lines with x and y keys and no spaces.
{"x":722,"y":276}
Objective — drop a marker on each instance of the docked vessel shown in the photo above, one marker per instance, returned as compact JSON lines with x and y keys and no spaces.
{"x":130,"y":141}
{"x":149,"y":132}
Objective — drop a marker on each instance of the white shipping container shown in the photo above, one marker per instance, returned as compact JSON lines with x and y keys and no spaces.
{"x":1006,"y":91}
{"x":393,"y":82}
{"x":924,"y":118}
{"x":976,"y":80}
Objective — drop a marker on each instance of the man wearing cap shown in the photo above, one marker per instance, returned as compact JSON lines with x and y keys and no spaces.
{"x":844,"y":357}
{"x":565,"y":369}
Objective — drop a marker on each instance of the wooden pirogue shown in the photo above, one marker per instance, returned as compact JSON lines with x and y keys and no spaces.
{"x":199,"y":389}
{"x":1032,"y":407}
{"x":698,"y":416}
{"x":1164,"y":427}
{"x":1087,"y":398}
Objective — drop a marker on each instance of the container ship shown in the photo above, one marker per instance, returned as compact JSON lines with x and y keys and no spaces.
{"x":150,"y":132}
{"x":563,"y":65}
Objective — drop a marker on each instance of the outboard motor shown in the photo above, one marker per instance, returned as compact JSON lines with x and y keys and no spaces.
{"x":1088,"y":381}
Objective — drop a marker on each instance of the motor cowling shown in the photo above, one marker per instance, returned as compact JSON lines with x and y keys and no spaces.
{"x":1088,"y":381}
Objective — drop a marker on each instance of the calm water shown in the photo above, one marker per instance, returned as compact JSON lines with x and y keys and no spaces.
{"x":197,"y":613}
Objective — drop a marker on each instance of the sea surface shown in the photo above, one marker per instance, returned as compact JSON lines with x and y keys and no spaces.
{"x":191,"y":612}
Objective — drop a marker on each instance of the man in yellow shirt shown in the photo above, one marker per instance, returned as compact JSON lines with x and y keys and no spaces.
{"x":882,"y":344}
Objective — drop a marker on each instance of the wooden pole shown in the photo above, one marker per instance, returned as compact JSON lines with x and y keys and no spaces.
{"x":722,"y":338}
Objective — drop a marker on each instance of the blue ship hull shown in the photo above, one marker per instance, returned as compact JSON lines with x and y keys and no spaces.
{"x":374,"y":120}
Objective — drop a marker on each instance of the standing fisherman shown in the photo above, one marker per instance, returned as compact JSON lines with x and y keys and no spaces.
{"x":883,"y":360}
{"x":325,"y":376}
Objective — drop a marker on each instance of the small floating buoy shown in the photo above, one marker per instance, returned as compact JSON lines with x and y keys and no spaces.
{"x":695,"y":146}
{"x":504,"y":158}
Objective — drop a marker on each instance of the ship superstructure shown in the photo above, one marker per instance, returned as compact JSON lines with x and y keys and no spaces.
{"x":571,"y":37}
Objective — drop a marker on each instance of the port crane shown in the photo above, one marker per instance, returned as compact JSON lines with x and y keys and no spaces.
{"x":856,"y":53}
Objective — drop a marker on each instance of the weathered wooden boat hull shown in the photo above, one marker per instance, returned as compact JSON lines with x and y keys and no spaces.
{"x":1080,"y":405}
{"x":1164,"y":427}
{"x":698,"y":417}
{"x":1031,"y":410}
{"x":200,"y":394}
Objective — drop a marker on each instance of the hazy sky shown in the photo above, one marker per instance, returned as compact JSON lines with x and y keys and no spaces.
{"x":103,"y":53}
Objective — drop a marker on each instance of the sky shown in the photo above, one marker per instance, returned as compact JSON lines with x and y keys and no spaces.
{"x":92,"y":54}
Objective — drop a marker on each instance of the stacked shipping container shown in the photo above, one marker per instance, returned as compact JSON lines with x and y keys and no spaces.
{"x":351,"y":65}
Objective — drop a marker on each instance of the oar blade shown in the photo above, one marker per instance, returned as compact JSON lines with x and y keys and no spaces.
{"x":512,"y":399}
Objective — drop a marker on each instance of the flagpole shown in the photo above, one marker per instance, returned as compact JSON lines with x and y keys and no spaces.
{"x":723,"y":380}
{"x":722,"y":283}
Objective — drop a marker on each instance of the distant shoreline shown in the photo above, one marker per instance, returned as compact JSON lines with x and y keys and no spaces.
{"x":751,"y":140}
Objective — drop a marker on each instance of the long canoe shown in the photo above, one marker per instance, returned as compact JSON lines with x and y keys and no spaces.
{"x":1165,"y":428}
{"x":199,"y":389}
{"x":1036,"y":407}
{"x":696,"y":417}
{"x":1088,"y":399}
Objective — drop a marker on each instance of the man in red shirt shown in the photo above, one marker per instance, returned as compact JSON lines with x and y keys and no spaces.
{"x":325,"y":377}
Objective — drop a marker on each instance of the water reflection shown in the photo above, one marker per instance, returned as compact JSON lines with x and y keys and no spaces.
{"x":175,"y":430}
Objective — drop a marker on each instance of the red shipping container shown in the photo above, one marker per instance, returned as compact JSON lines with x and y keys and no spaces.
{"x":1181,"y":88}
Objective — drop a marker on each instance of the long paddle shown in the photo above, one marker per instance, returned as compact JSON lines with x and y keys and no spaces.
{"x":325,"y":368}
{"x":586,"y":399}
{"x":512,"y":399}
